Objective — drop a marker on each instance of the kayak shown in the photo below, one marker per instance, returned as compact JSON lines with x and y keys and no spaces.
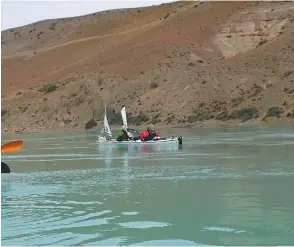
{"x":166,"y":140}
{"x":4,"y":168}
{"x":106,"y":131}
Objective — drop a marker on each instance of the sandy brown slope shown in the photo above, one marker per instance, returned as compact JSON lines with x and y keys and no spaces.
{"x":174,"y":64}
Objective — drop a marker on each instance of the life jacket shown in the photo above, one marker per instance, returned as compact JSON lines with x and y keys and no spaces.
{"x":150,"y":136}
{"x":124,"y":136}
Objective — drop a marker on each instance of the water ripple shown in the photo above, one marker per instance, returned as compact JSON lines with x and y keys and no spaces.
{"x":68,"y":190}
{"x":143,"y":224}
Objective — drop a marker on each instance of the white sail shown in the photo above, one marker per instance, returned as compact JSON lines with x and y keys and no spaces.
{"x":124,"y":116}
{"x":107,"y":129}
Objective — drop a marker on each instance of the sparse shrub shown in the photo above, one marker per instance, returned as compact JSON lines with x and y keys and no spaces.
{"x":137,"y":120}
{"x":169,"y":119}
{"x":23,"y":108}
{"x":261,"y":42}
{"x":90,"y":124}
{"x":268,"y":85}
{"x":290,"y":114}
{"x":157,"y":120}
{"x":192,"y":118}
{"x":273,"y":111}
{"x":244,"y":114}
{"x":143,"y":117}
{"x":48,"y":88}
{"x":67,"y":121}
{"x":200,"y":61}
{"x":202,"y":104}
{"x":222,"y":116}
{"x":205,"y":115}
{"x":257,"y":89}
{"x":46,"y":108}
{"x":166,"y":16}
{"x":191,"y":64}
{"x":287,"y":73}
{"x":52,"y":27}
{"x":156,"y":116}
{"x":40,"y":33}
{"x":100,"y":81}
{"x":237,"y":101}
{"x":3,"y":112}
{"x":153,"y":85}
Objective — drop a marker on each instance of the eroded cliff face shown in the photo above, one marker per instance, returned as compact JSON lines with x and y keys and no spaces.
{"x":175,"y":64}
{"x":253,"y":28}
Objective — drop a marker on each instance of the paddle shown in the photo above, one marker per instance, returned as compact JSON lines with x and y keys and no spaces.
{"x":11,"y":146}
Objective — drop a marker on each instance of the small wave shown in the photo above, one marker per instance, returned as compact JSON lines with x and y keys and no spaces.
{"x":222,"y":229}
{"x":38,"y":207}
{"x":276,"y":173}
{"x":83,"y":203}
{"x":143,"y":224}
{"x":129,"y":213}
{"x":115,"y":241}
{"x":73,"y":202}
{"x":168,"y":242}
{"x":67,"y":238}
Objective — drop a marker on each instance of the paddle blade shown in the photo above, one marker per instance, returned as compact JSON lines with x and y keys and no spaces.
{"x":11,"y":146}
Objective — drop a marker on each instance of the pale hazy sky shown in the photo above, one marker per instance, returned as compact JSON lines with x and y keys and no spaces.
{"x":19,"y":13}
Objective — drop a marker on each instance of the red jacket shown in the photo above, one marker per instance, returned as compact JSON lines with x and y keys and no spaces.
{"x":145,"y":134}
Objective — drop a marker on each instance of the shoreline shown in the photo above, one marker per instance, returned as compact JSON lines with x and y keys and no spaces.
{"x":204,"y":124}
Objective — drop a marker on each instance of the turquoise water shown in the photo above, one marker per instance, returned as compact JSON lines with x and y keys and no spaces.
{"x":226,"y":186}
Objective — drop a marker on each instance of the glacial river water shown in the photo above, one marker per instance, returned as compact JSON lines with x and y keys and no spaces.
{"x":225,"y":186}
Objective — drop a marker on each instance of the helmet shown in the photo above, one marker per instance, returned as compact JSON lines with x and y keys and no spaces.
{"x":150,"y":127}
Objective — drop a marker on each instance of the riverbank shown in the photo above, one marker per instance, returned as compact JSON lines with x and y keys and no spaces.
{"x":116,"y":128}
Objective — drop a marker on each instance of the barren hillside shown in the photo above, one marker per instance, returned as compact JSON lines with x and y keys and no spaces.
{"x":175,"y":64}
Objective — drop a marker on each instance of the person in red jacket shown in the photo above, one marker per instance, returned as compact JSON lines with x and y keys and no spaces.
{"x":149,"y":134}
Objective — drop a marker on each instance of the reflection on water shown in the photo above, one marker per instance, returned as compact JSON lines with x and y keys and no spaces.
{"x":226,"y":186}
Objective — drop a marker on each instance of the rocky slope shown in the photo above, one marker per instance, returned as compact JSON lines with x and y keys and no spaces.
{"x":175,"y":64}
